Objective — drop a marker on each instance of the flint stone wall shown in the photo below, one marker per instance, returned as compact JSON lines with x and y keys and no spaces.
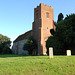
{"x":18,"y":47}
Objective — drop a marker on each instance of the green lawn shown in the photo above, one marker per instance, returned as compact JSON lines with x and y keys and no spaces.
{"x":36,"y":65}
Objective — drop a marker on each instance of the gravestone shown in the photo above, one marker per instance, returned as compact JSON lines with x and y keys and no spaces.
{"x":68,"y":52}
{"x":50,"y":52}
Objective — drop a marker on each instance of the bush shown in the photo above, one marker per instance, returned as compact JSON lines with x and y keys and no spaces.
{"x":30,"y":45}
{"x":6,"y":50}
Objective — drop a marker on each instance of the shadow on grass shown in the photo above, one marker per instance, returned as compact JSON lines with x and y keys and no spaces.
{"x":31,"y":56}
{"x":15,"y":55}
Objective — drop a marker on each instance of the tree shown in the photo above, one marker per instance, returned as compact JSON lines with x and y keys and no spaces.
{"x":64,"y":37}
{"x":60,"y":17}
{"x":4,"y":44}
{"x":55,"y":23}
{"x":30,"y":45}
{"x":52,"y":31}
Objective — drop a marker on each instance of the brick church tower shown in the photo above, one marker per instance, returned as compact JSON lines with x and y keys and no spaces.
{"x":43,"y":22}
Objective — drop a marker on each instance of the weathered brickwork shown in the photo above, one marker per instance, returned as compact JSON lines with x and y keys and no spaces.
{"x":43,"y":22}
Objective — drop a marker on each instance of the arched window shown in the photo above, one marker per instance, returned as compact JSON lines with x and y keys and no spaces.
{"x":47,"y":15}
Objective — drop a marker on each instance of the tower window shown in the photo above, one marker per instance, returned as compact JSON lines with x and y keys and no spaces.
{"x":36,"y":15}
{"x":47,"y":15}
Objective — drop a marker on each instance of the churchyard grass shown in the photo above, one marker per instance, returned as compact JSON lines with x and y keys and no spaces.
{"x":36,"y":65}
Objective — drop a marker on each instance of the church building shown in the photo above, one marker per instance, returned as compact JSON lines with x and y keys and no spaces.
{"x":43,"y":22}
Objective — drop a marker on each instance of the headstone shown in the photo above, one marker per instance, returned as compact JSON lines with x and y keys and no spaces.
{"x":50,"y":52}
{"x":68,"y":52}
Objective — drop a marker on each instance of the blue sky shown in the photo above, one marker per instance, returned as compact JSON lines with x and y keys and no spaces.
{"x":16,"y":16}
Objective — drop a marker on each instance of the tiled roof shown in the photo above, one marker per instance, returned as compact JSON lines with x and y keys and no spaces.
{"x":23,"y":36}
